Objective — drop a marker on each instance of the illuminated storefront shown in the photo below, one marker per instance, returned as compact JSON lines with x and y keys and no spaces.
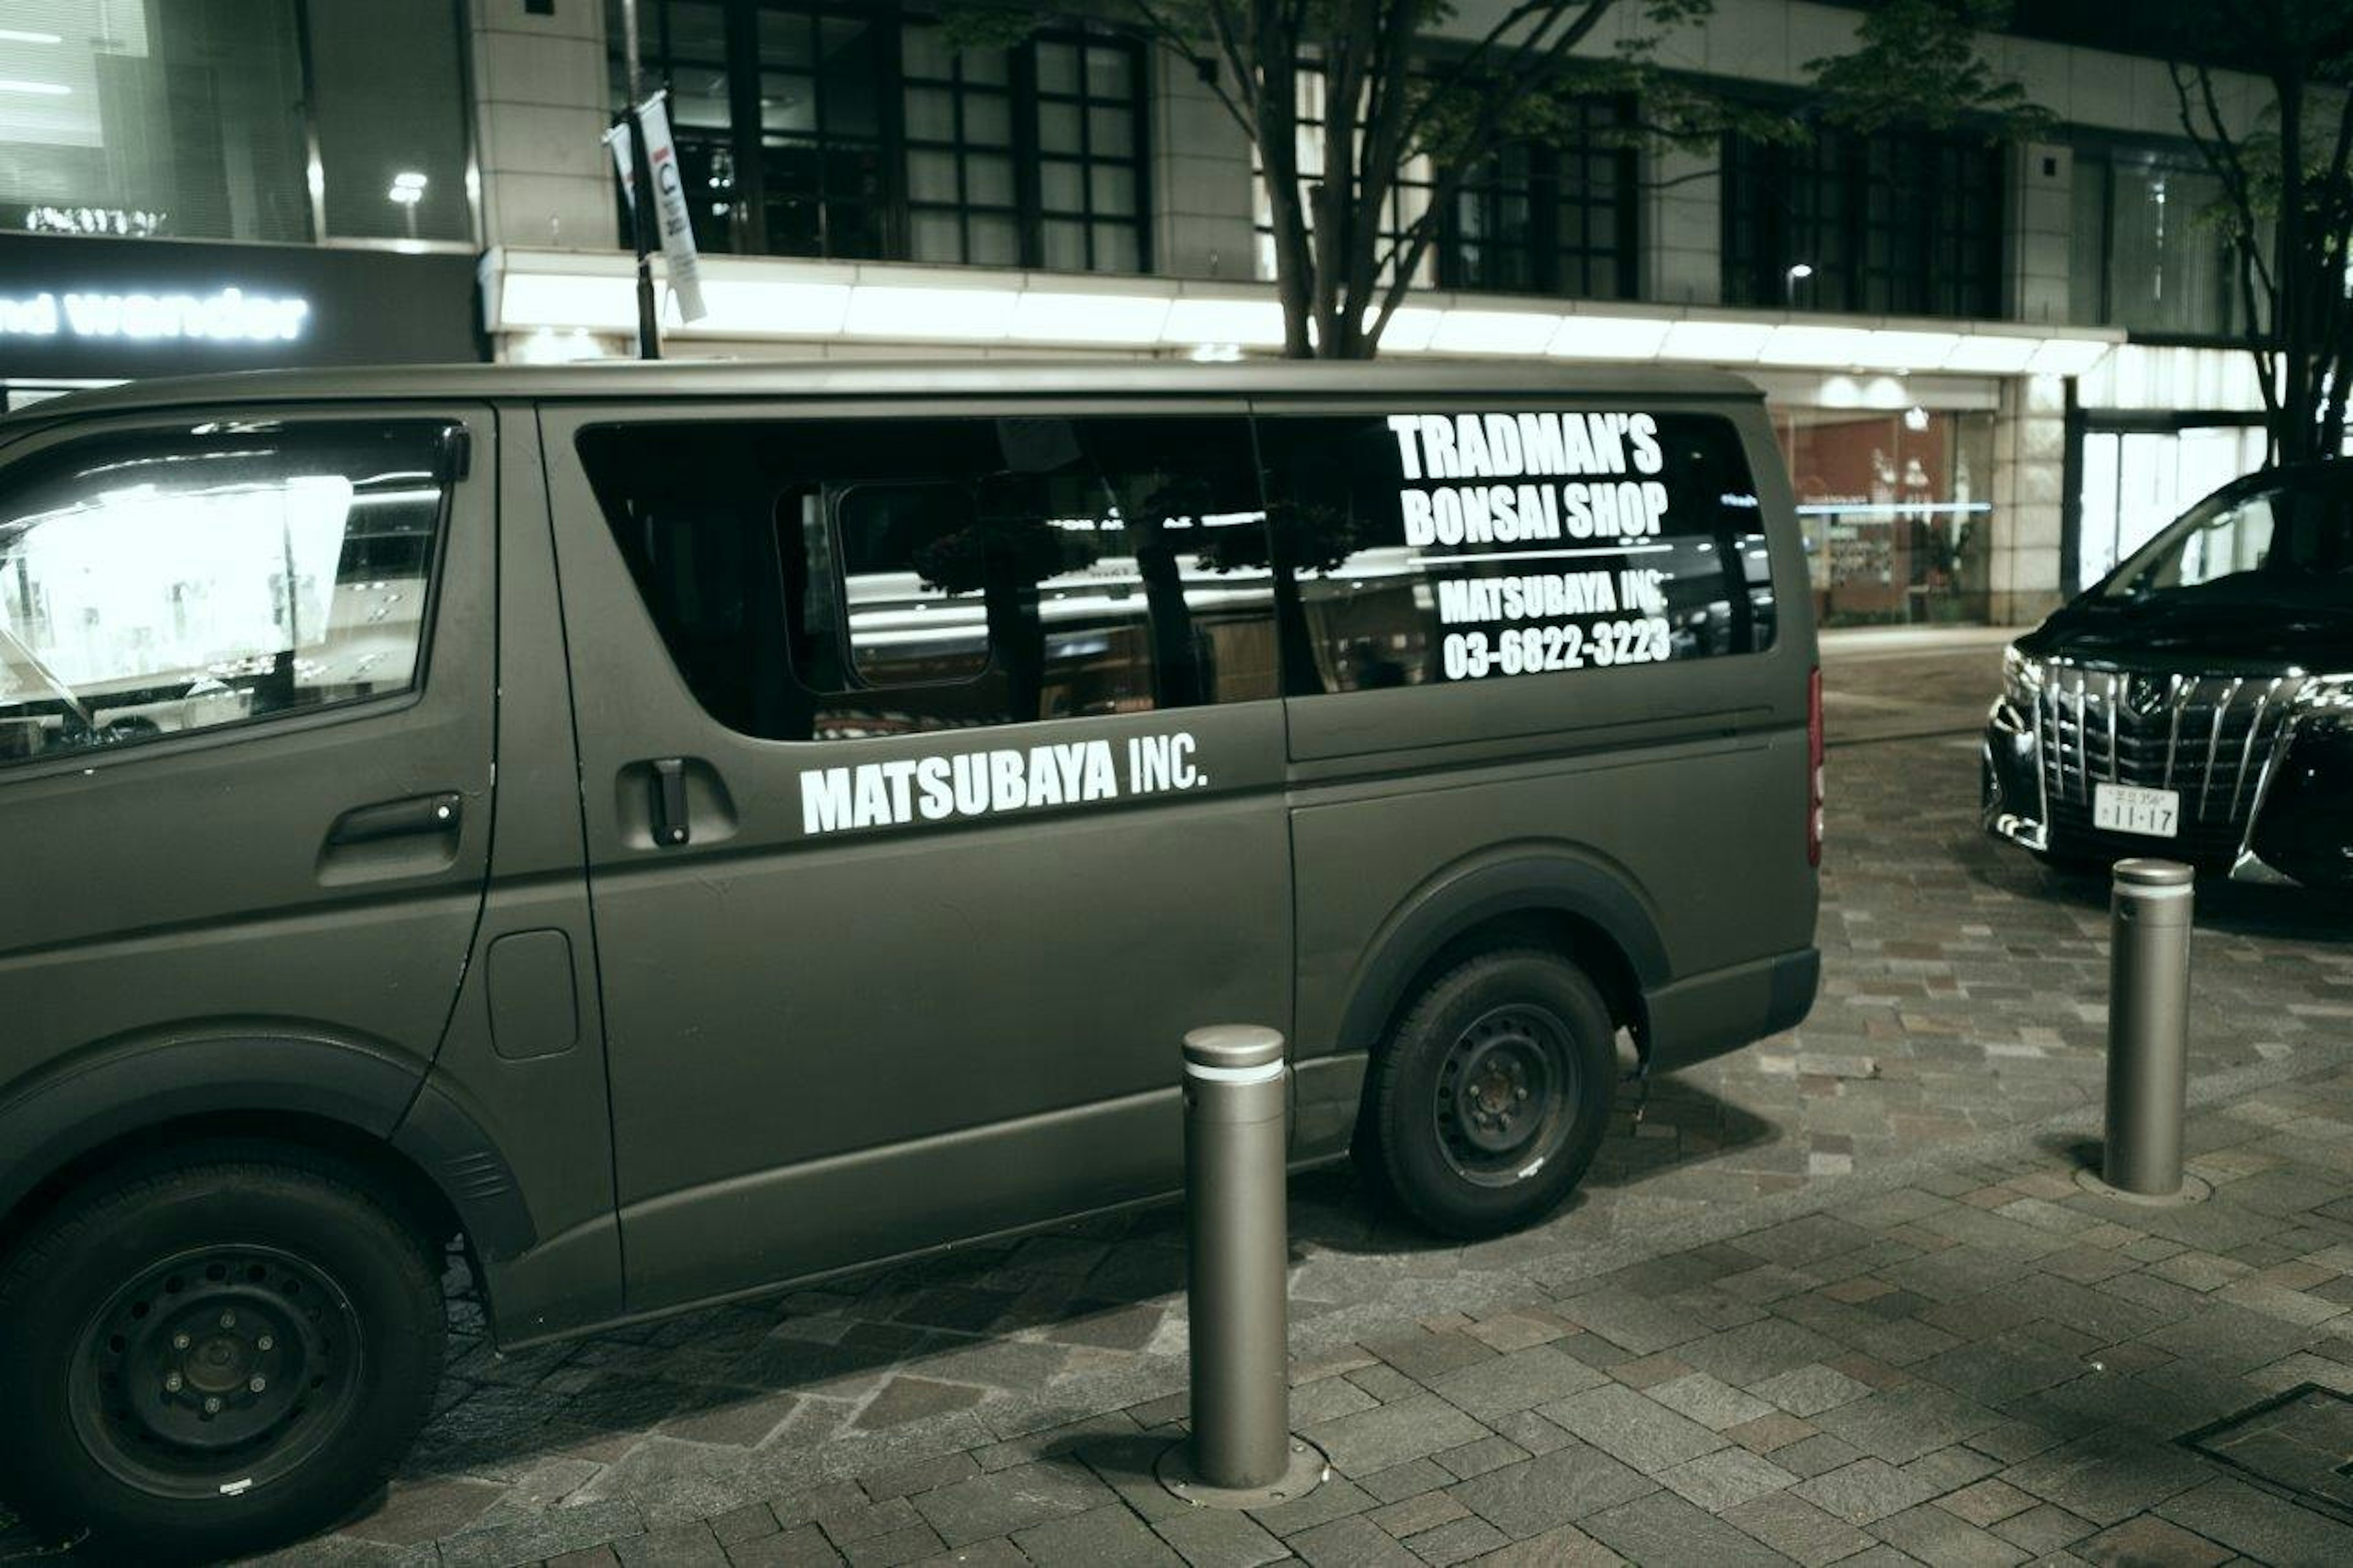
{"x":78,"y":311}
{"x":1896,"y":509}
{"x":189,"y":188}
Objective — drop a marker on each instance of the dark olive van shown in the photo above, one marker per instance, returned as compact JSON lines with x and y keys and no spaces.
{"x":686,"y":830}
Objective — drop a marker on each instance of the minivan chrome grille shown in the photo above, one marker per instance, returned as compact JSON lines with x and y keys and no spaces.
{"x":2210,"y":737}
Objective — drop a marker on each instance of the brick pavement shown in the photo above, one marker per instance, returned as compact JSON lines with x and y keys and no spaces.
{"x":1784,"y":1318}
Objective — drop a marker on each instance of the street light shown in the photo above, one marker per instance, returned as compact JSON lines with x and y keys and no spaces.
{"x":407,"y":190}
{"x":1792,"y":279}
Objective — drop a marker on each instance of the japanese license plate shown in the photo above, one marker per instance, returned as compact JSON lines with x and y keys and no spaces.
{"x":2121,"y":808}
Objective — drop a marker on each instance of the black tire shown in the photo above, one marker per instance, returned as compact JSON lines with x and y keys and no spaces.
{"x":156,"y":1289}
{"x":1520,"y":1038}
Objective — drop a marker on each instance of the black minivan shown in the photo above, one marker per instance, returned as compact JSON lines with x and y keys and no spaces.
{"x":689,"y":829}
{"x":2198,"y":702}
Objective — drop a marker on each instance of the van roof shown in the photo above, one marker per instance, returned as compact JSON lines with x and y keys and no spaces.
{"x":901,"y":378}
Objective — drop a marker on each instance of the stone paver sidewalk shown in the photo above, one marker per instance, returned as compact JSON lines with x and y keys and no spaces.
{"x":1982,"y":1364}
{"x":1884,"y":1190}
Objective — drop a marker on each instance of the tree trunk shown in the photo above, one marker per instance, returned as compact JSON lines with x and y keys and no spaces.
{"x":2298,"y":414}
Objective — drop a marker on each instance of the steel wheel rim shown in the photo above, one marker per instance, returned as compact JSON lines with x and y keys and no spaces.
{"x":215,"y":1371}
{"x":1505,"y":1095}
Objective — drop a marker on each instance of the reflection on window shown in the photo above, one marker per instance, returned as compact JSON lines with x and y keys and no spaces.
{"x":171,"y":121}
{"x":2274,"y":547}
{"x":1623,"y":564}
{"x":834,"y":581}
{"x":915,"y":614}
{"x":390,"y":122}
{"x":2236,"y":542}
{"x":147,"y":590}
{"x":188,"y":120}
{"x":2150,"y":254}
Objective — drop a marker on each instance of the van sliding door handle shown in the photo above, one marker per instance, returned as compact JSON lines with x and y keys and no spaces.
{"x":421,"y":814}
{"x":667,"y":782}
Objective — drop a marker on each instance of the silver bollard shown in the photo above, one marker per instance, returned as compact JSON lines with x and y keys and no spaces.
{"x":1237,"y":1140}
{"x":2149,"y":1025}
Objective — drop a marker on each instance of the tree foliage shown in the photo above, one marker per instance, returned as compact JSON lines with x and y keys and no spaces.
{"x":2286,"y":208}
{"x":1403,"y":101}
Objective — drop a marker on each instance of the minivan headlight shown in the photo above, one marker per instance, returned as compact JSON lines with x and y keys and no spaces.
{"x":2022,"y":677}
{"x":2329,"y":699}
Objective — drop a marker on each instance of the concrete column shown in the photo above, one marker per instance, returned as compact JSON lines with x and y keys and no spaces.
{"x":539,"y":112}
{"x":1202,"y":225}
{"x":1683,"y":228}
{"x":2030,"y":445}
{"x":2040,"y":224}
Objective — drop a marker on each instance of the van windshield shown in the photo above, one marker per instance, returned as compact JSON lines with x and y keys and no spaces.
{"x":2290,"y":542}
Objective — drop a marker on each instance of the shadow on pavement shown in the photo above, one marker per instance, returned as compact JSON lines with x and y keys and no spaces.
{"x":939,"y":1334}
{"x":2301,"y":914}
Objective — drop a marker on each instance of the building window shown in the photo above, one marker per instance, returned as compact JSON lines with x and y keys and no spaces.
{"x":1408,"y":198}
{"x":198,"y":122}
{"x":964,"y":203}
{"x":2150,"y":255}
{"x":1550,"y":217}
{"x":391,"y":118}
{"x":1090,"y":92}
{"x":833,"y":131}
{"x":1896,"y":509}
{"x":822,"y":153}
{"x":1897,"y":223}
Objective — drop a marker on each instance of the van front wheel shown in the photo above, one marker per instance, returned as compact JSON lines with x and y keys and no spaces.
{"x":1492,"y":1098}
{"x":213,"y":1356}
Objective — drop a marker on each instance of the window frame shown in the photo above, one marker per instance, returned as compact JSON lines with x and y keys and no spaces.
{"x":461,"y":488}
{"x":2103,"y":155}
{"x":833,"y":499}
{"x":747,"y":142}
{"x":1826,"y":203}
{"x":582,"y":420}
{"x":1550,"y":209}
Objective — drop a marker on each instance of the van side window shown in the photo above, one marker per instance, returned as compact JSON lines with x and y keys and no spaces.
{"x":154,"y":585}
{"x":1422,"y":547}
{"x":838,"y":579}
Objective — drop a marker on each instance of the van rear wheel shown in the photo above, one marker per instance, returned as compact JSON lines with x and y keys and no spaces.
{"x":213,"y":1356}
{"x":1492,"y":1098}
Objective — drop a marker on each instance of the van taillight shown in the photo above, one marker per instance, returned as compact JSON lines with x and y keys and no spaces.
{"x":1814,"y":766}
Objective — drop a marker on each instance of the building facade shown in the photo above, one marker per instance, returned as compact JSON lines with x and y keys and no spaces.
{"x":1993,"y":366}
{"x":194,"y":187}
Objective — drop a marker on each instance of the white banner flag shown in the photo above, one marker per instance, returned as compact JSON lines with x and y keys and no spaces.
{"x":670,"y":202}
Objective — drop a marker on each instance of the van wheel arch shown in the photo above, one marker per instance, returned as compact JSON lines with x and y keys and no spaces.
{"x":1574,"y":937}
{"x":370,"y":1160}
{"x":377,"y":1111}
{"x":1587,"y":911}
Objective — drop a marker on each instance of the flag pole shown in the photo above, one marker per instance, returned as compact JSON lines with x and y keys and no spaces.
{"x":641,"y":191}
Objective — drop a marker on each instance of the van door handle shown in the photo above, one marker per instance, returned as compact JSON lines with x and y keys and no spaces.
{"x":398,"y":819}
{"x":666,"y":784}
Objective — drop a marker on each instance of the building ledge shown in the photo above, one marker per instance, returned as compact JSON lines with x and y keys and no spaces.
{"x":552,"y":301}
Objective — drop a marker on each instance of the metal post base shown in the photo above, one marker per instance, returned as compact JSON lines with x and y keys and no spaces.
{"x":1306,"y":1472}
{"x":2193,"y":1190}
